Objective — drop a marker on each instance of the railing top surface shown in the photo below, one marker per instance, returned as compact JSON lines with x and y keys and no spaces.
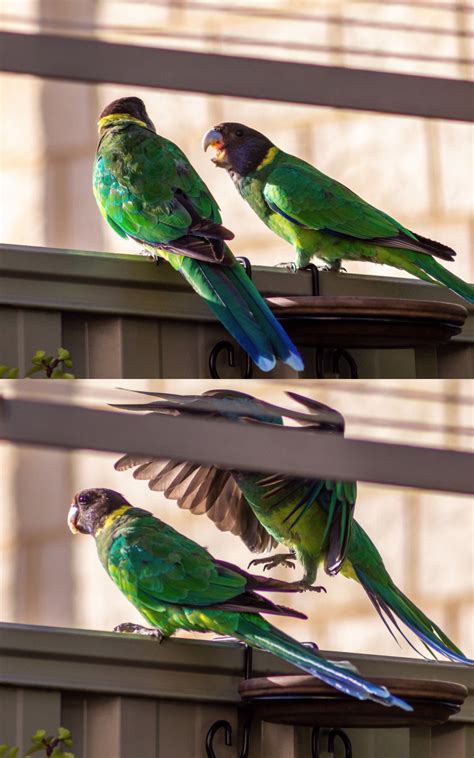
{"x":96,"y":61}
{"x":34,"y":276}
{"x":106,"y":662}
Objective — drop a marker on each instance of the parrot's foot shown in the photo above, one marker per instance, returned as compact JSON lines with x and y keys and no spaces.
{"x":334,"y":266}
{"x":311,"y":645}
{"x":289,"y":266}
{"x":156,"y":259}
{"x":129,"y":628}
{"x":303,"y":586}
{"x":280,"y":559}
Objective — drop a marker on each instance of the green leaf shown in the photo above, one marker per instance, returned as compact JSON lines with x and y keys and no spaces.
{"x":13,"y":752}
{"x":34,"y":749}
{"x":63,"y":354}
{"x":67,"y":741}
{"x":63,"y":733}
{"x":13,"y":373}
{"x":3,"y":371}
{"x":3,"y":749}
{"x":68,"y":363}
{"x":57,"y":373}
{"x":68,"y":755}
{"x":38,"y":356}
{"x":68,"y":376}
{"x":57,"y":753}
{"x":39,"y":735}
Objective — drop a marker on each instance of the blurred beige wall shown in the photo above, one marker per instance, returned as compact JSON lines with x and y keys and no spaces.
{"x":50,"y":577}
{"x":420,"y":171}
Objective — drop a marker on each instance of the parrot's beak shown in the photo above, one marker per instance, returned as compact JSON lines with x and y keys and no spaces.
{"x":213,"y":138}
{"x":72,"y":518}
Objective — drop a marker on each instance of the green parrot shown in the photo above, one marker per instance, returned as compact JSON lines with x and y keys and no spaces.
{"x":313,"y":518}
{"x":147,"y":191}
{"x":319,"y":216}
{"x":177,"y":584}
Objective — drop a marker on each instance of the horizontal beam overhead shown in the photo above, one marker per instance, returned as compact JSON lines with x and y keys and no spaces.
{"x":232,"y":445}
{"x":96,"y":61}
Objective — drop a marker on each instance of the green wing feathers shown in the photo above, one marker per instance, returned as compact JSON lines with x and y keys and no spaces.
{"x":147,"y":190}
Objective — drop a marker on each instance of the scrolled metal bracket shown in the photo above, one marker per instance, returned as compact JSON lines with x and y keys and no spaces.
{"x":216,"y":727}
{"x":223,"y":724}
{"x":229,"y":348}
{"x":332,"y":736}
{"x":336,"y":356}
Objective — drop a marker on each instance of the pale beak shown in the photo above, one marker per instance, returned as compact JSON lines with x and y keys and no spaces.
{"x":212,"y":138}
{"x":72,"y":517}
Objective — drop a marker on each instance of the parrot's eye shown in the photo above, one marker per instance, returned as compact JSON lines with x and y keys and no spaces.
{"x":239,"y":132}
{"x":82,"y":499}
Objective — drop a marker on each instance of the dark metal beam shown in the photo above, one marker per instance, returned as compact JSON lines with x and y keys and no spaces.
{"x":91,"y":60}
{"x":231,"y":445}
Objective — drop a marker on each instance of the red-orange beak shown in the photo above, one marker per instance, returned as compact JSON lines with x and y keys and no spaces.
{"x":213,"y":138}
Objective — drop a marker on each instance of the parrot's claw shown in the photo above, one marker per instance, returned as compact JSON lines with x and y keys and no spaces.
{"x":289,"y":266}
{"x":334,"y":266}
{"x":303,"y":586}
{"x":129,"y":628}
{"x":311,"y":646}
{"x":282,"y":559}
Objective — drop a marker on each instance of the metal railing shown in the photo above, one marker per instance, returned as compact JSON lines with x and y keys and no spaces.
{"x":125,"y":697}
{"x":120,"y":316}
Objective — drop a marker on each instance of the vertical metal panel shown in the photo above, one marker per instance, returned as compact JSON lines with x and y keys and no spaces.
{"x":456,"y":360}
{"x":278,"y":741}
{"x":426,"y":362}
{"x":141,"y":349}
{"x":420,"y":742}
{"x":138,"y":728}
{"x":35,"y":709}
{"x":453,"y":739}
{"x":8,"y":715}
{"x":25,"y":331}
{"x":74,"y":718}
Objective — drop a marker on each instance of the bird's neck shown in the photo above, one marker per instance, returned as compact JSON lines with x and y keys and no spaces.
{"x":109,"y":519}
{"x":114,"y":119}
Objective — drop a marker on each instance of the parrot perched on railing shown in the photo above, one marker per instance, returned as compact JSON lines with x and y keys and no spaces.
{"x":319,"y":216}
{"x":176,"y":584}
{"x":147,"y":191}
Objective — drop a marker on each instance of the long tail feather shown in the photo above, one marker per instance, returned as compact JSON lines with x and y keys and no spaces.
{"x":267,"y":637}
{"x":233,"y":298}
{"x":389,"y":601}
{"x":441,"y":275}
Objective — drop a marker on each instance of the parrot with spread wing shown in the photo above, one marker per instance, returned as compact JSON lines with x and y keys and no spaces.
{"x":176,"y":584}
{"x":147,"y":191}
{"x":319,"y":216}
{"x":313,"y":518}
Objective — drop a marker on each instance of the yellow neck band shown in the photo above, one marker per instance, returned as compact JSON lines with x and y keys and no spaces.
{"x":109,"y":120}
